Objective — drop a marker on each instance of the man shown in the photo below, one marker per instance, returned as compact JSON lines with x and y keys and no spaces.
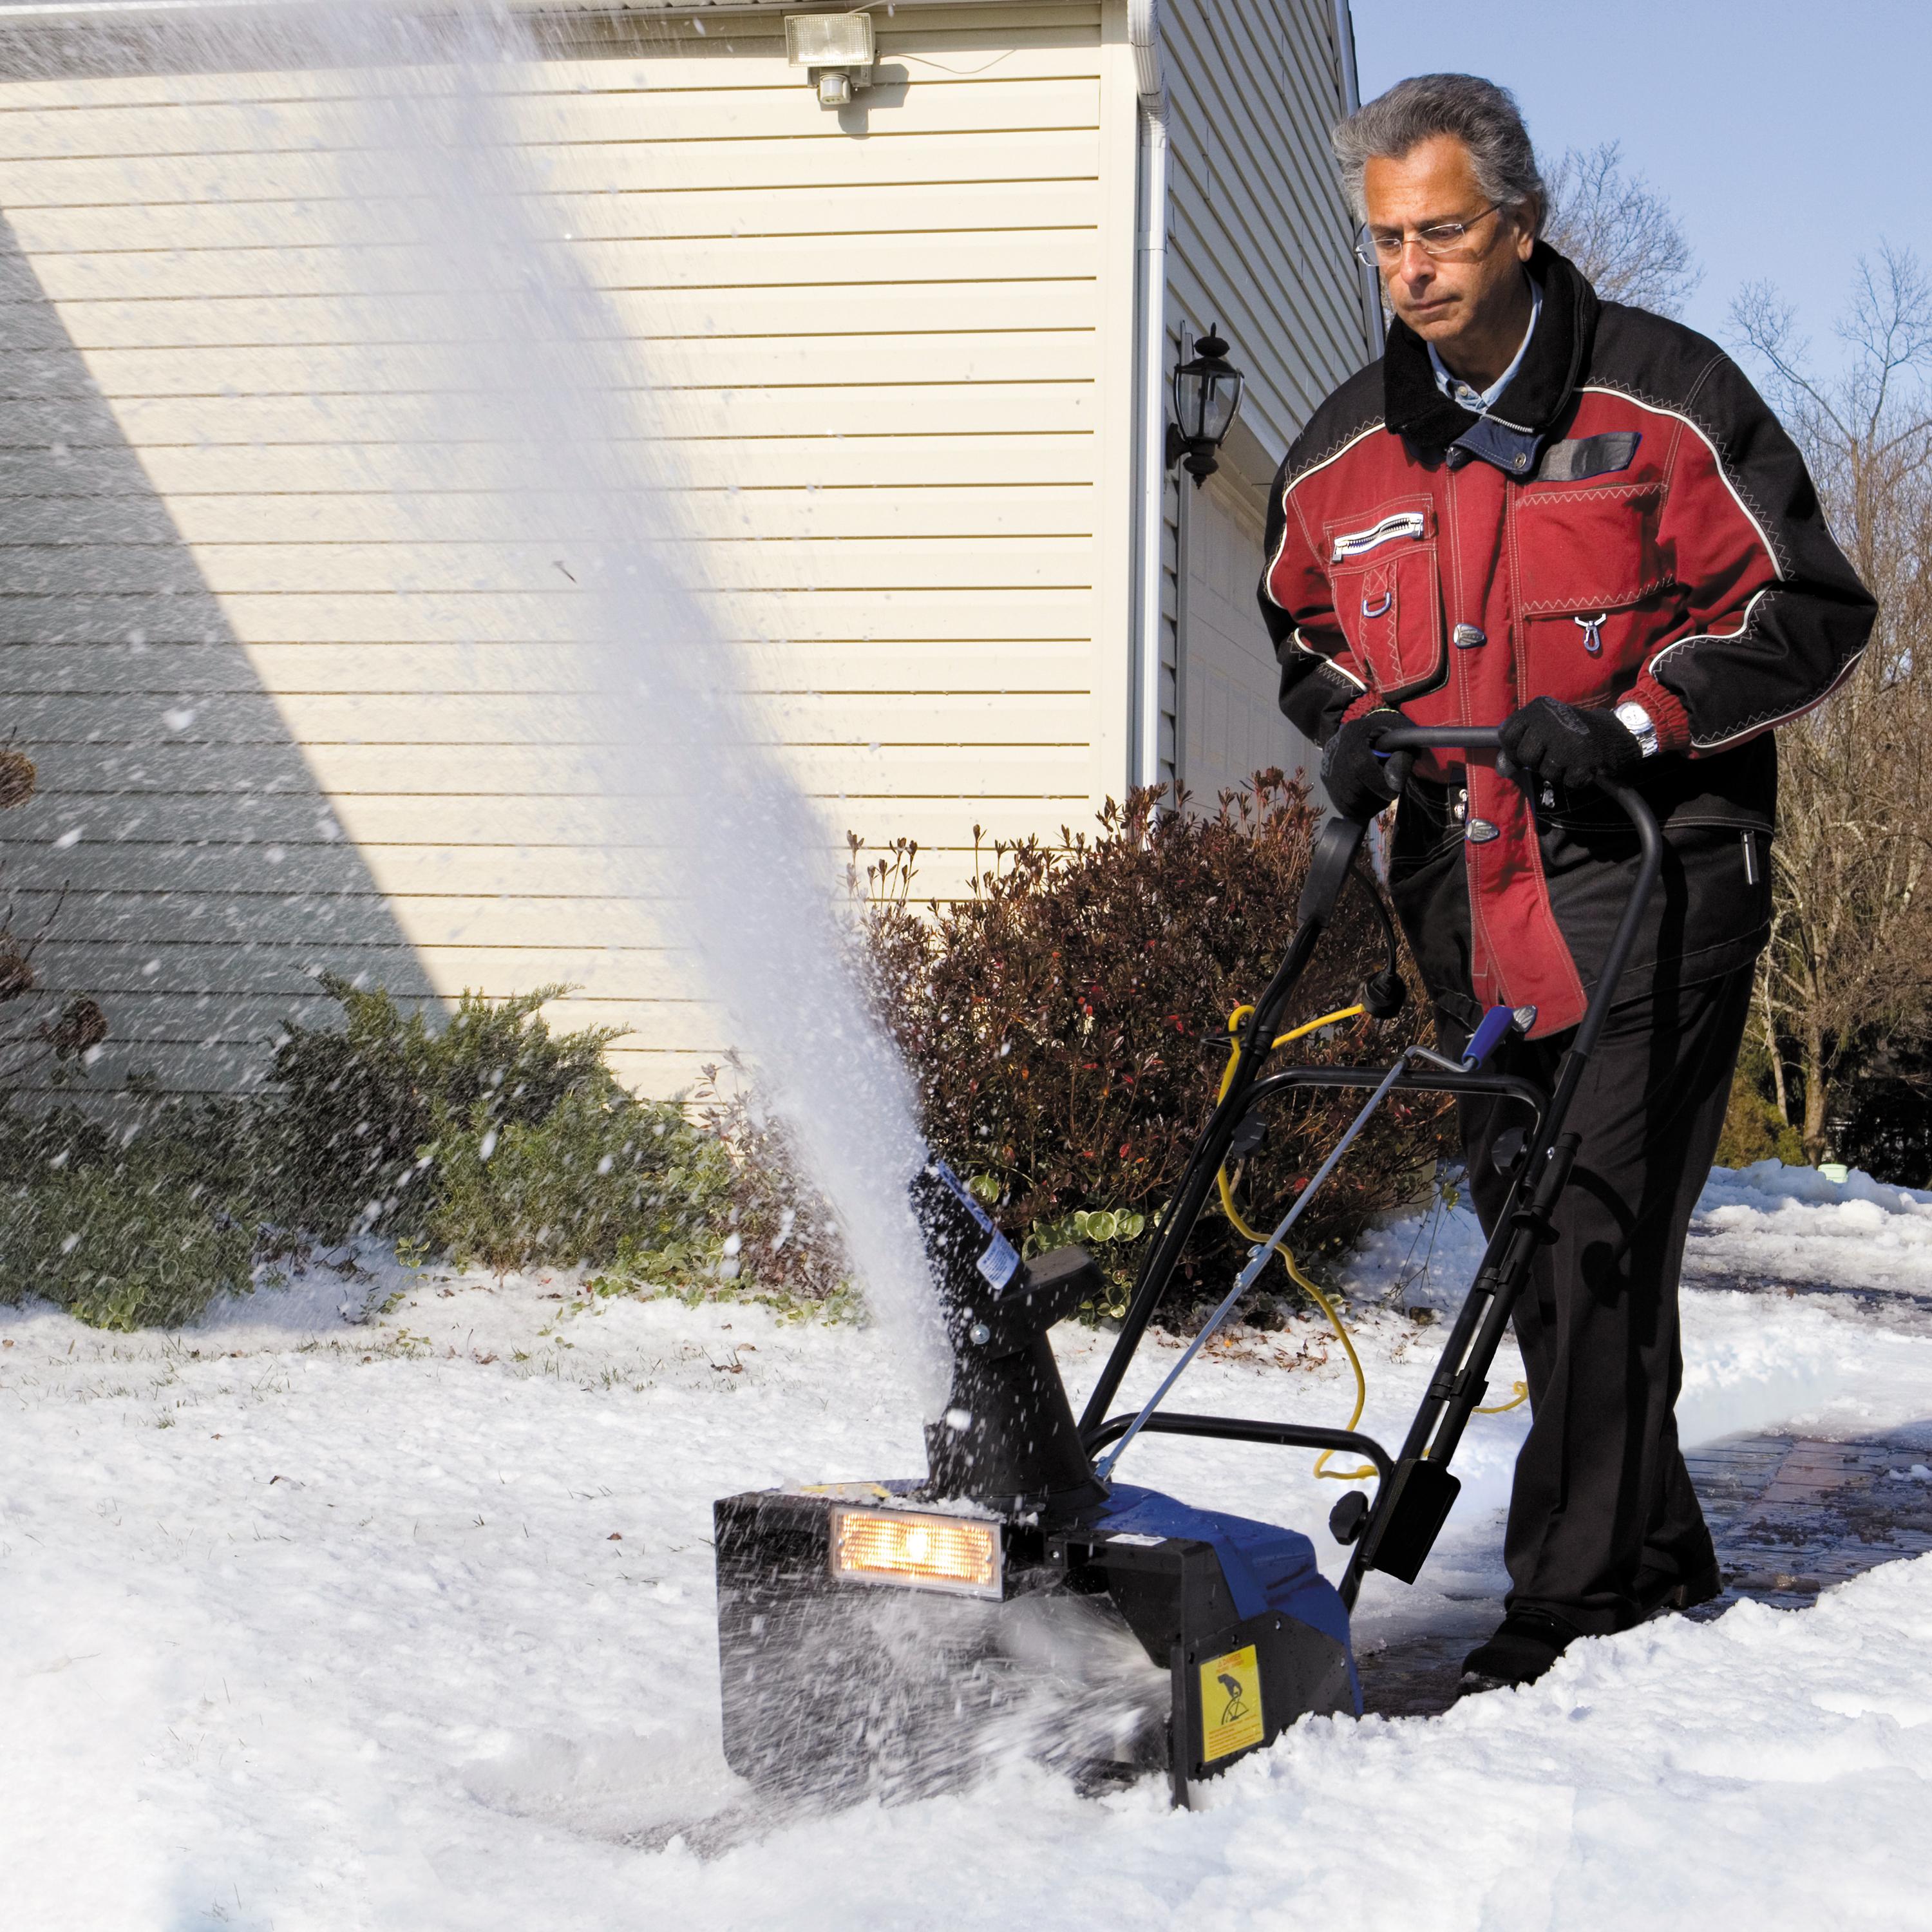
{"x":1579,"y":522}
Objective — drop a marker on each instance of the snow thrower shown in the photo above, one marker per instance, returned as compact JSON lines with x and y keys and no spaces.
{"x":889,"y":1636}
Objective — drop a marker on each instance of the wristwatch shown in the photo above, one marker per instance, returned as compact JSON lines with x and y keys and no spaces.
{"x":1633,"y":717}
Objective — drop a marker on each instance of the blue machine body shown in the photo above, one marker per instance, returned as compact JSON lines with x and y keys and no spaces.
{"x":1266,"y":1567}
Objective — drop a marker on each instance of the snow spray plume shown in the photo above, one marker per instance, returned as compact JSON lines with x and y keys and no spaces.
{"x":527,"y":451}
{"x":954,"y":1691}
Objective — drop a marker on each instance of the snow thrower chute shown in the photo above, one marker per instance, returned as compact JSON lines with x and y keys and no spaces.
{"x":890,"y":1637}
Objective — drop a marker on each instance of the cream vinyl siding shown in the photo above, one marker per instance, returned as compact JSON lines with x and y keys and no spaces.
{"x":1260,"y":238}
{"x":275,"y":729}
{"x":1231,"y":723}
{"x":1260,"y":241}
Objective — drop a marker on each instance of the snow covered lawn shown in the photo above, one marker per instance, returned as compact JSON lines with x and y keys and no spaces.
{"x":317,"y":1623}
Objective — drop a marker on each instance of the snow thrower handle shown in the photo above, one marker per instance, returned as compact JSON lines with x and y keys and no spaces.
{"x":1401,"y":739}
{"x":1333,"y":861}
{"x":1409,"y":1511}
{"x":1335,"y":846}
{"x":1458,"y":1385}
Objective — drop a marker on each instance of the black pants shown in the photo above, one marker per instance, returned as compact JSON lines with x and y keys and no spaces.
{"x":1601,"y":1492}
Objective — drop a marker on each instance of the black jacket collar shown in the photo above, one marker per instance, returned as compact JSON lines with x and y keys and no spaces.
{"x":1414,"y":408}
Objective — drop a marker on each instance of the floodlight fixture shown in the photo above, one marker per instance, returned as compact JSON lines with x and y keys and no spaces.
{"x":836,"y":50}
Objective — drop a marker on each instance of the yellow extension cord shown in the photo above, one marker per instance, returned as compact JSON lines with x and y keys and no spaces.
{"x":1299,"y":1279}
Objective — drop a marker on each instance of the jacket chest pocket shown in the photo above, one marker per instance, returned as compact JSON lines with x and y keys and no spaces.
{"x":1589,"y":569}
{"x":1581,"y":551}
{"x":1382,"y":575}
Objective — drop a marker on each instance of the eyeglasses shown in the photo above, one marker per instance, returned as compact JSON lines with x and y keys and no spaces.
{"x":1439,"y":238}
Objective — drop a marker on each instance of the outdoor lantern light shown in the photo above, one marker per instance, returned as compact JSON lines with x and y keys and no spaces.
{"x":834,"y":49}
{"x":1207,"y":393}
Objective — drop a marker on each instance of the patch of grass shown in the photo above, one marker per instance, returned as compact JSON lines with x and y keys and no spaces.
{"x":842,"y":1305}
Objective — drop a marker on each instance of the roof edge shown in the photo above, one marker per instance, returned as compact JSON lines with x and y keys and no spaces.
{"x":74,"y":12}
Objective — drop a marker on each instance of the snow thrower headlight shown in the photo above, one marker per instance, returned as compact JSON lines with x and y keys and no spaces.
{"x":960,"y":1554}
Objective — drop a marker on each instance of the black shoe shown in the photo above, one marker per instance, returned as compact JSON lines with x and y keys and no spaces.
{"x":1527,"y":1643}
{"x":1656,"y":1593}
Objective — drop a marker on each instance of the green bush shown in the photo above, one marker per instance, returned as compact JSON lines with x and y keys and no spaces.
{"x":129,"y":1229}
{"x":345,"y":1143}
{"x":1886,"y":1127}
{"x":782,"y":1239}
{"x":1066,"y":1027}
{"x":492,"y":1140}
{"x":1753,"y":1128}
{"x":597,"y":1179}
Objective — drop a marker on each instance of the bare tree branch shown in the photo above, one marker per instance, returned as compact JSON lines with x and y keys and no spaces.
{"x":1619,"y":231}
{"x":1850,"y":970}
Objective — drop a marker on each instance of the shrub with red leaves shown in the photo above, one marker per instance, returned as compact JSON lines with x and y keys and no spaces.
{"x":1067,"y":1026}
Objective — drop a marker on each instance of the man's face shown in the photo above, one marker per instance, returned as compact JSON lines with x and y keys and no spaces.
{"x":1444,"y":297}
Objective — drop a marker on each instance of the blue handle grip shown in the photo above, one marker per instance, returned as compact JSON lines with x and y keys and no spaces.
{"x":1494,"y":1027}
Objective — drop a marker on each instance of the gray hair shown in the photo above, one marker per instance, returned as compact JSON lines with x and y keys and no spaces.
{"x":1480,"y":114}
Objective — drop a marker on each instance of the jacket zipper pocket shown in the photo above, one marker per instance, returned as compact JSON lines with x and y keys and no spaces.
{"x":1355,"y":543}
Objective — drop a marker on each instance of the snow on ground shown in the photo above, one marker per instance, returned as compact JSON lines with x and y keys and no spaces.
{"x":1765,"y":1223}
{"x":323,"y":1616}
{"x":1788,"y":1228}
{"x":1792,"y":1224}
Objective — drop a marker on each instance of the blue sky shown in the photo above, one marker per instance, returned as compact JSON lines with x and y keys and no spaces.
{"x":1789,"y":138}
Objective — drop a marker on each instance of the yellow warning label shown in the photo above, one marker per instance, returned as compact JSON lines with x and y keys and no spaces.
{"x":1231,"y":1704}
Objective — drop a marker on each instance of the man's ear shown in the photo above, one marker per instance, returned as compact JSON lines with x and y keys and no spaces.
{"x":1525,"y":221}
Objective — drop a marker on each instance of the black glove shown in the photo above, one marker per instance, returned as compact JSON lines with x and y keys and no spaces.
{"x":1356,"y":774}
{"x":1551,"y":740}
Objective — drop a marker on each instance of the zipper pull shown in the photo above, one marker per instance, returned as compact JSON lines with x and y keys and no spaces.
{"x":1592,"y":629}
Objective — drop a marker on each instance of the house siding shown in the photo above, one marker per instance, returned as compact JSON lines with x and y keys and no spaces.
{"x":1259,"y":242}
{"x":904,"y":364}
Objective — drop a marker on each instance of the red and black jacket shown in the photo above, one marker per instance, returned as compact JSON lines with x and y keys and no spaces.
{"x":1630,"y":521}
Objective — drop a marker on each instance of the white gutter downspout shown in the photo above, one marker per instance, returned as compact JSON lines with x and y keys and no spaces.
{"x":1150,"y":396}
{"x":1352,"y":99}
